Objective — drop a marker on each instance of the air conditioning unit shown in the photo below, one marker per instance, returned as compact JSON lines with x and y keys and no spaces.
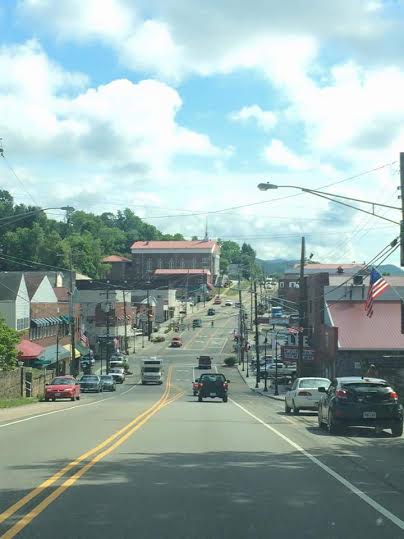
{"x":358,"y":280}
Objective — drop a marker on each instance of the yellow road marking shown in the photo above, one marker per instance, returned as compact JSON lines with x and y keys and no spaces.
{"x":29,"y":517}
{"x":58,"y":475}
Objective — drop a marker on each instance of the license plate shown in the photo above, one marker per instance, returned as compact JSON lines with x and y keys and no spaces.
{"x":213,"y":394}
{"x":369,"y":415}
{"x":58,"y":394}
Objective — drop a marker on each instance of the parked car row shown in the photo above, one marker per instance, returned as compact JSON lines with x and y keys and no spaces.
{"x":347,"y":402}
{"x":68,"y":387}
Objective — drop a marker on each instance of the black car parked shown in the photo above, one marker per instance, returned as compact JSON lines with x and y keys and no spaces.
{"x":90,"y":382}
{"x":212,"y":385}
{"x":355,"y":401}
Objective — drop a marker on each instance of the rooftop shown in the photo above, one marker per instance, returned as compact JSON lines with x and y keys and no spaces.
{"x":114,"y":258}
{"x":181,"y":272}
{"x":170,"y":245}
{"x":358,"y":332}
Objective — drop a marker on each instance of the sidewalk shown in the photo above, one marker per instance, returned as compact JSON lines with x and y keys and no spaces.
{"x":251,"y":381}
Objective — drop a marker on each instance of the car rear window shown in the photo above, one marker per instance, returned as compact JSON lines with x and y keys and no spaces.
{"x":212,"y":378}
{"x":368,"y":391}
{"x":314,"y":383}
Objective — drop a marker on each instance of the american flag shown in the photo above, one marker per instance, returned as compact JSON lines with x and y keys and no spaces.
{"x":377,"y":286}
{"x":84,"y":339}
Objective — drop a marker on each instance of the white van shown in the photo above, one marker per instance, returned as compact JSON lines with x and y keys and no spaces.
{"x":152,"y":371}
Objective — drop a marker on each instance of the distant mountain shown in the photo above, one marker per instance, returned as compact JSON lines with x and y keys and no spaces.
{"x":278,"y":265}
{"x":390,"y":268}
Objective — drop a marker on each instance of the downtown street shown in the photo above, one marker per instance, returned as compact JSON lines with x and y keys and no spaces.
{"x":150,"y":461}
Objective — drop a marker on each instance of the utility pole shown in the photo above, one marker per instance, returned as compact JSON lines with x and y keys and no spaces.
{"x":257,"y":339}
{"x":301,"y":311}
{"x":125,"y":327}
{"x":107,"y":344}
{"x":241,"y":317}
{"x":251,"y":307}
{"x":402,"y":209}
{"x":73,"y":364}
{"x":148,"y":312}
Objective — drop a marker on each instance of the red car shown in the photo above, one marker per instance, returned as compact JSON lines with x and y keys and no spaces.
{"x":62,"y":387}
{"x":176,"y":342}
{"x":217,"y":301}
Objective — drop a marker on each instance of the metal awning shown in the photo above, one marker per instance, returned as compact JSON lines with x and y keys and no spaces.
{"x":40,"y":322}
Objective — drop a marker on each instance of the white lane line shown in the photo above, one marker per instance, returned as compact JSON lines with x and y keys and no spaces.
{"x":355,"y":490}
{"x":65,"y":409}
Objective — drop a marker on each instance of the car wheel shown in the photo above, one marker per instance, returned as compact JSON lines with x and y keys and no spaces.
{"x":287,"y":408}
{"x":73,"y":398}
{"x":46,"y":399}
{"x":78,"y":397}
{"x":332,"y":427}
{"x":320,"y":422}
{"x":225,"y":398}
{"x":295,"y":409}
{"x":199,"y":399}
{"x":397,"y":430}
{"x":54,"y":400}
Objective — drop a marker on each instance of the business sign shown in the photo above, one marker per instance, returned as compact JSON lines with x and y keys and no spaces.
{"x":291,"y":353}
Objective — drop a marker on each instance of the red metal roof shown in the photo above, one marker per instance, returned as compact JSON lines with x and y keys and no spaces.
{"x":114,"y":258}
{"x":356,"y":331}
{"x":193,"y":244}
{"x":181,"y":272}
{"x":29,"y":350}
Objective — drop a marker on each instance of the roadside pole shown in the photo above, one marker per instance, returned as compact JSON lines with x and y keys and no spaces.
{"x":241,"y":322}
{"x":73,"y":366}
{"x":107,"y":339}
{"x":301,"y":311}
{"x":126,"y":323}
{"x":257,"y":354}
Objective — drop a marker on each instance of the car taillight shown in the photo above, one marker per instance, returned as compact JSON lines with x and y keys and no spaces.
{"x":304,"y":394}
{"x":200,"y":385}
{"x":341,"y":394}
{"x":393,"y":395}
{"x":225,"y":385}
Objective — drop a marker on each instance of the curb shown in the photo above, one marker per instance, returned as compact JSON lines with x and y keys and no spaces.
{"x":273,"y":397}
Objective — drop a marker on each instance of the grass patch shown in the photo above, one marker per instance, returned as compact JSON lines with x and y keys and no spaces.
{"x":21,"y":401}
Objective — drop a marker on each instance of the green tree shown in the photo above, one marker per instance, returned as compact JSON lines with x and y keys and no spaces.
{"x":8,"y":342}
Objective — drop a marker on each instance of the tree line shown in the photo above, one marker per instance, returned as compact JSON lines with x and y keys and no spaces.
{"x":29,"y":239}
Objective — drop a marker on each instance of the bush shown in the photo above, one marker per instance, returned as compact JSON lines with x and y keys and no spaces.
{"x":167,"y":330}
{"x":230,"y":361}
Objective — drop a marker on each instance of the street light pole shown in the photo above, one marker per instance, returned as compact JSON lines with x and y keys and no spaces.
{"x":266,"y":372}
{"x":301,"y":310}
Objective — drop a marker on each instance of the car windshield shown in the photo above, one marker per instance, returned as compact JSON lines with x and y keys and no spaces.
{"x":62,"y":382}
{"x":152,"y":369}
{"x":314,"y":383}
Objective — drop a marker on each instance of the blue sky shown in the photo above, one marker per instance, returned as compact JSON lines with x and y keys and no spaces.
{"x":157,"y":105}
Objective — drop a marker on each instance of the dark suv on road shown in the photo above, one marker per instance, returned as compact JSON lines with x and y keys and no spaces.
{"x":360,"y":402}
{"x":212,"y":386}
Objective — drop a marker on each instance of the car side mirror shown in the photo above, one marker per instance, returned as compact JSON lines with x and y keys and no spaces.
{"x":196,"y":380}
{"x":228,"y":381}
{"x":46,"y":384}
{"x":322,"y":390}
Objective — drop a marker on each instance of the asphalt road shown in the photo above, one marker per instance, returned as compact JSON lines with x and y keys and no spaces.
{"x":152,"y":462}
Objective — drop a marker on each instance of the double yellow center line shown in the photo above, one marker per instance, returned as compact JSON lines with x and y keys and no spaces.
{"x":97,"y":453}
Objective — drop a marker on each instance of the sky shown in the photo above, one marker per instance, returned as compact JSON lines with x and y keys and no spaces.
{"x":177,"y":109}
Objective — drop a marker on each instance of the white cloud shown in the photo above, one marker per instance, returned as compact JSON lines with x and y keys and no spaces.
{"x":121,"y":131}
{"x":266,"y":119}
{"x":277,"y":154}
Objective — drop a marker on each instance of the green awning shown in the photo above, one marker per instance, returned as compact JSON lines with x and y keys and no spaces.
{"x":84,"y":351}
{"x":48,"y":357}
{"x":64,"y":319}
{"x":40,"y":322}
